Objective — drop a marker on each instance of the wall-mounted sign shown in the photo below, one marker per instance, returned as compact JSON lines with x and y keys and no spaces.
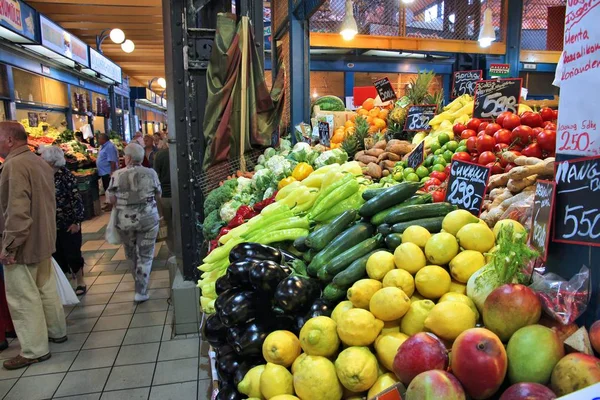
{"x":499,"y":70}
{"x":62,"y":42}
{"x":45,"y":69}
{"x":104,"y":66}
{"x":18,"y":17}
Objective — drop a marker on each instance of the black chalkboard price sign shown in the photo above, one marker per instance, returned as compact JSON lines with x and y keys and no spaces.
{"x":384,"y":89}
{"x":418,"y":117}
{"x":464,"y":82}
{"x":543,"y":205}
{"x":496,"y":96}
{"x":324,"y":135}
{"x":415,"y":158}
{"x":577,"y":201}
{"x":467,"y":185}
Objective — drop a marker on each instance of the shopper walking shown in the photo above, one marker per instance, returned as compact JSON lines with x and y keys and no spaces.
{"x":138,"y":138}
{"x":163,"y":170}
{"x":28,"y":241}
{"x":69,"y":216}
{"x":134,"y":191}
{"x":107,"y":162}
{"x":149,"y":151}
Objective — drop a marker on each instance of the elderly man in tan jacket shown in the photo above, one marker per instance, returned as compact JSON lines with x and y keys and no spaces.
{"x":29,"y":214}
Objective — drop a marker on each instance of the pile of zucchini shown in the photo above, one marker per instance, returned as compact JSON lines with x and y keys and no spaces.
{"x":394,"y":209}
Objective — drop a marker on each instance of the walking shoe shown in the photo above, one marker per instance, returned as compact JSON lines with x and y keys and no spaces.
{"x":3,"y":345}
{"x":22,"y":362}
{"x":58,"y":340}
{"x":11,"y":334}
{"x":140,"y":298}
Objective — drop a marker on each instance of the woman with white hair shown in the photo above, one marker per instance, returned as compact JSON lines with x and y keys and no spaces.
{"x":134,"y":192}
{"x":69,"y":216}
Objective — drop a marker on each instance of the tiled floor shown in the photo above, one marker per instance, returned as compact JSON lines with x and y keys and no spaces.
{"x":116,"y":349}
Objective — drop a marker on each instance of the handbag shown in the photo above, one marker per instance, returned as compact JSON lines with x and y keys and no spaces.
{"x":63,"y":287}
{"x":112,"y":235}
{"x":162,"y":231}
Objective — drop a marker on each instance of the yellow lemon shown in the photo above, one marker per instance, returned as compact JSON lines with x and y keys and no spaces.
{"x":517,"y":227}
{"x":379,"y":264}
{"x":297,"y":362}
{"x":476,"y":237}
{"x":416,"y":297}
{"x":456,"y":219}
{"x":449,"y":319}
{"x":416,"y":234}
{"x":358,"y":327}
{"x":461,"y":298}
{"x":318,"y":337}
{"x":390,"y":327}
{"x":361,"y":292}
{"x":441,"y":248}
{"x":315,"y":378}
{"x":414,"y":320}
{"x":387,"y":347}
{"x":340,"y":308}
{"x":389,"y":304}
{"x":432,"y":281}
{"x":281,"y":347}
{"x":383,"y":382}
{"x":356,"y":368}
{"x":284,"y":397}
{"x":250,"y":385}
{"x":410,"y":257}
{"x":276,"y":380}
{"x":401,"y":279}
{"x":465,"y":264}
{"x":458,"y":287}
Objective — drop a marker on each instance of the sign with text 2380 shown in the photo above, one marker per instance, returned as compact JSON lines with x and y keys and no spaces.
{"x":543,"y":205}
{"x":467,"y":185}
{"x":464,"y":82}
{"x":496,"y":96}
{"x":577,"y":201}
{"x":418,"y":117}
{"x":384,"y":89}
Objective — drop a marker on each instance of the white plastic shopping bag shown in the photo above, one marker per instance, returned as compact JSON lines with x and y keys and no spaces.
{"x":65,"y":291}
{"x":112,"y":235}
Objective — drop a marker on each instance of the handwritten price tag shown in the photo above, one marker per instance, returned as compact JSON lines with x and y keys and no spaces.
{"x":464,"y":82}
{"x":324,"y":135}
{"x":496,"y":96}
{"x":543,"y":205}
{"x":384,"y":89}
{"x":418,"y":117}
{"x":415,"y":158}
{"x":467,"y":186}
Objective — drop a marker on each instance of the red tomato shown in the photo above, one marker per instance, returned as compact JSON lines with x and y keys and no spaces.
{"x":462,"y":156}
{"x":547,"y":114}
{"x":503,"y":161}
{"x":485,"y":143}
{"x":472,"y":144}
{"x":531,"y":119}
{"x":438,"y":196}
{"x":458,"y":128}
{"x":467,"y":133}
{"x":511,"y":121}
{"x":501,"y":117}
{"x":474,"y":158}
{"x":447,"y":170}
{"x":496,"y":168}
{"x":547,"y":140}
{"x":474,"y":124}
{"x":533,"y":150}
{"x":431,"y":182}
{"x":502,"y":136}
{"x":499,"y":147}
{"x":556,"y":115}
{"x":438,"y":175}
{"x":482,"y":126}
{"x":481,"y":133}
{"x":492,"y":128}
{"x":537,"y":131}
{"x":517,"y":147}
{"x":509,"y":167}
{"x":522,"y":134}
{"x":486,"y":157}
{"x":550,"y":125}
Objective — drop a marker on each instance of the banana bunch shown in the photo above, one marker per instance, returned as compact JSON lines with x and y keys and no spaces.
{"x":458,"y":111}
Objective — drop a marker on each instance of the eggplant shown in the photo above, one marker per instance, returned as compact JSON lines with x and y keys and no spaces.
{"x":287,"y":256}
{"x":229,"y":392}
{"x":227,"y":365}
{"x":320,"y":307}
{"x":265,"y":276}
{"x":238,"y":272}
{"x":299,"y":321}
{"x":223,"y":284}
{"x":237,"y":307}
{"x":224,"y":350}
{"x":234,"y":333}
{"x":296,"y":293}
{"x":249,"y":343}
{"x":257,"y":251}
{"x":214,"y":331}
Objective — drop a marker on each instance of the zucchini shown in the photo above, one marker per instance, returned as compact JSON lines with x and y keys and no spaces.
{"x":300,"y":244}
{"x":308,"y":255}
{"x":379,"y":218}
{"x":420,"y":211}
{"x":393,"y":240}
{"x":350,"y":237}
{"x":394,"y":195}
{"x":370,"y":193}
{"x":320,"y":237}
{"x":357,"y":270}
{"x":334,"y":293}
{"x":384,"y":229}
{"x":341,"y":261}
{"x":433,"y":224}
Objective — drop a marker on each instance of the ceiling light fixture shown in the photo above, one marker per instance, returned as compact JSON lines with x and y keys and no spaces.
{"x":487,"y":34}
{"x":349,"y":27}
{"x":117,"y":36}
{"x":128,"y":46}
{"x":160,"y":81}
{"x":408,"y":1}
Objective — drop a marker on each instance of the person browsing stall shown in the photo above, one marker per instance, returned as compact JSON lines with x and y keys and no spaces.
{"x":107,"y":161}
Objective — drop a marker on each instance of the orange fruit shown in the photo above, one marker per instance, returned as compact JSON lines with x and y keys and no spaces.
{"x":362,"y":111}
{"x":379,"y":123}
{"x":348,"y":124}
{"x":383,"y":114}
{"x":373,"y":129}
{"x":374,"y":112}
{"x":368,"y":104}
{"x":369,"y":120}
{"x":338,"y":136}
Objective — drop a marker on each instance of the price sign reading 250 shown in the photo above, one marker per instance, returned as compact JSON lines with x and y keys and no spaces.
{"x":467,"y":185}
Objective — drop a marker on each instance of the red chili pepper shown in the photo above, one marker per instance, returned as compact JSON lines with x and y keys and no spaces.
{"x":262,"y":204}
{"x":252,"y":215}
{"x":213,"y":244}
{"x":235,"y":221}
{"x":243,"y":211}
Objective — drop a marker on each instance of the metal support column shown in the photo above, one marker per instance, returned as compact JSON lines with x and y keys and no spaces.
{"x":112,"y":98}
{"x":348,"y":84}
{"x":299,"y":68}
{"x":513,"y":35}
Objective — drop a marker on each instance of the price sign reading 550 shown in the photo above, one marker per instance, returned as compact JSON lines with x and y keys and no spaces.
{"x":581,"y":222}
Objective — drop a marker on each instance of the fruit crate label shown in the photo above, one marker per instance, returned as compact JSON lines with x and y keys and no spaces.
{"x":467,"y":185}
{"x":464,"y":82}
{"x":415,"y":157}
{"x":577,"y":201}
{"x":543,"y":205}
{"x":324,"y":133}
{"x":418,"y":117}
{"x":499,"y":70}
{"x":495,"y":96}
{"x":384,"y":89}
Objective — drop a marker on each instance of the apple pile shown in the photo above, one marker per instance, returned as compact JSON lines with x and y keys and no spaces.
{"x":533,"y":134}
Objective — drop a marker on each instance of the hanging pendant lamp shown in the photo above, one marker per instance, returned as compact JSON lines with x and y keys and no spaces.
{"x":349,"y":27}
{"x":487,"y":34}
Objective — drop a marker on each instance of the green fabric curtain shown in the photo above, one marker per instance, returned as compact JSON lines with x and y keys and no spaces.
{"x":223,"y":116}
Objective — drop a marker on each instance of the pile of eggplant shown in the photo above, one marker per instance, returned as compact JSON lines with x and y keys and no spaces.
{"x":265,"y":289}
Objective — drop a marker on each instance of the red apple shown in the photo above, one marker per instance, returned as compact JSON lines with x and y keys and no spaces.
{"x":474,"y":124}
{"x":458,"y":128}
{"x":509,"y":308}
{"x":503,"y":136}
{"x":529,"y":391}
{"x":435,"y":384}
{"x":419,"y":353}
{"x":479,"y":362}
{"x":574,"y":372}
{"x":492,"y":128}
{"x":531,"y":119}
{"x":511,"y":121}
{"x":595,"y":336}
